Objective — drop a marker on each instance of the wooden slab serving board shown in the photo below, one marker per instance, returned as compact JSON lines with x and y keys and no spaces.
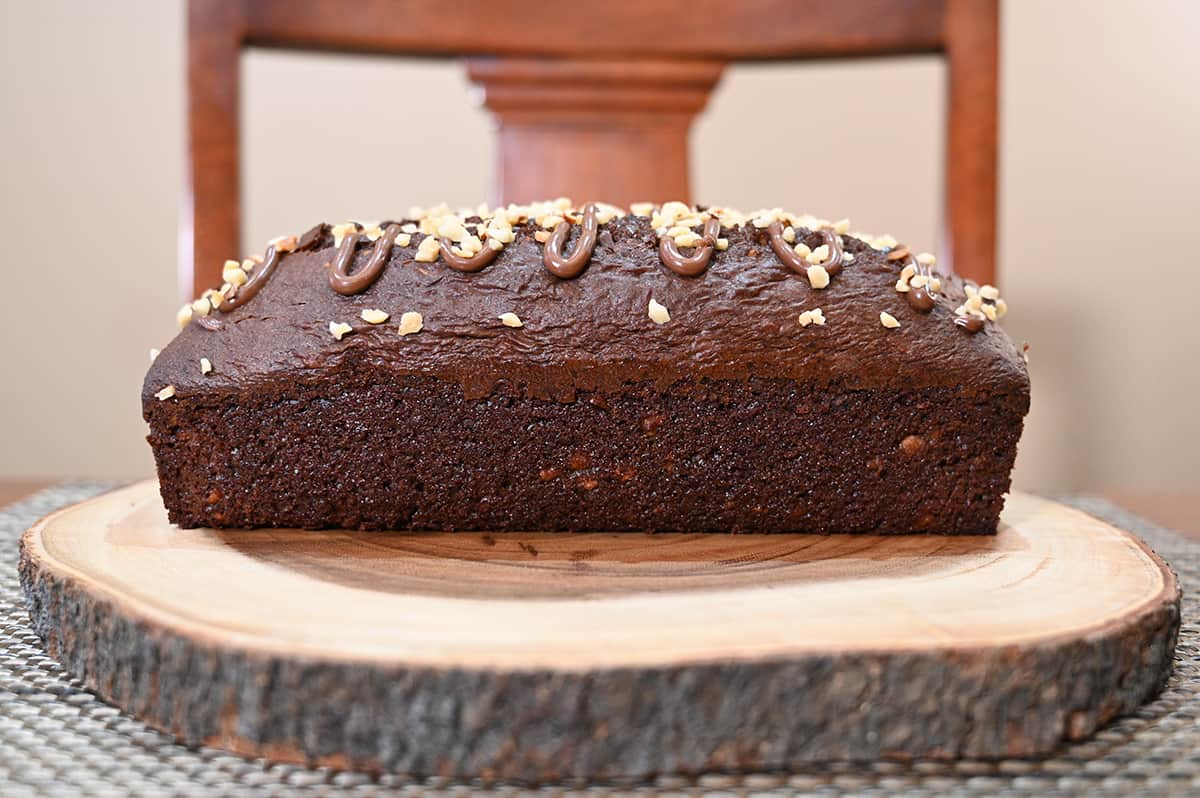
{"x":543,"y":656}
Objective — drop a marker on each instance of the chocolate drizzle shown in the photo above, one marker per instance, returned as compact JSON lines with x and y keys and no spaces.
{"x":697,"y":262}
{"x":790,"y":258}
{"x":971,"y":324}
{"x":472,"y":264}
{"x":252,"y":286}
{"x":573,"y":265}
{"x":345,"y":283}
{"x":921,"y":299}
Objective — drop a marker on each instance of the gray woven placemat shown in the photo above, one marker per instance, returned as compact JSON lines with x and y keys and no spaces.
{"x":56,"y":738}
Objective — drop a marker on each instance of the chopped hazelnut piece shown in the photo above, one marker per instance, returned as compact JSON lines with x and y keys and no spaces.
{"x":202,"y":307}
{"x":184,"y":315}
{"x":722,"y":244}
{"x":233,"y":273}
{"x":411,"y":322}
{"x":925,"y":259}
{"x":165,"y":393}
{"x":153,"y":354}
{"x":989,"y":292}
{"x":841,"y":226}
{"x":542,"y":236}
{"x":818,"y":277}
{"x":452,"y":227}
{"x":819,"y":255}
{"x":814,"y":316}
{"x":427,"y":250}
{"x":283,"y":243}
{"x":789,"y":234}
{"x":888,"y":320}
{"x":989,"y":311}
{"x":403,"y":239}
{"x":408,"y":228}
{"x":902,"y":286}
{"x":658,"y":313}
{"x":205,"y":365}
{"x":642,"y":208}
{"x":1001,"y":308}
{"x":374,"y":316}
{"x":802,"y":250}
{"x":511,"y":320}
{"x":340,"y":231}
{"x":339,"y":328}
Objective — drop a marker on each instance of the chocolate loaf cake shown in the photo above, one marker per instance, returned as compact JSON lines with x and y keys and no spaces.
{"x":546,"y":367}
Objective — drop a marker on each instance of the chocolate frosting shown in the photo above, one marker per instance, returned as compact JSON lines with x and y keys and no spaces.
{"x":735,"y":320}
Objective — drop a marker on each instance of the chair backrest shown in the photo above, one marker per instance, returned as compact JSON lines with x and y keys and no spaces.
{"x":595,"y":100}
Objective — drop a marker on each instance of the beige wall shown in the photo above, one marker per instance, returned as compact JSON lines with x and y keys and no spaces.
{"x":1100,"y":180}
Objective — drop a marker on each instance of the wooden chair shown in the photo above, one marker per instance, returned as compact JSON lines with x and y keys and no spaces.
{"x":595,"y":100}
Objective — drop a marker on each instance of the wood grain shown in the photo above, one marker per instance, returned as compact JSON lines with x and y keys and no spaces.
{"x":561,"y":131}
{"x":539,"y":656}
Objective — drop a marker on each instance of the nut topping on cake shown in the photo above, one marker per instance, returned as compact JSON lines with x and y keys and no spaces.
{"x":374,"y":316}
{"x":814,"y":316}
{"x":339,"y":328}
{"x":888,"y":320}
{"x":411,"y":322}
{"x":511,"y":320}
{"x":658,"y":314}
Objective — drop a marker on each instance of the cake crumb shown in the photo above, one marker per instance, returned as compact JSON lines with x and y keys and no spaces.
{"x":411,"y":322}
{"x":888,"y":320}
{"x":511,"y":320}
{"x":374,"y":316}
{"x":339,"y":328}
{"x":205,"y":365}
{"x":818,"y":277}
{"x":165,"y":393}
{"x":658,"y":313}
